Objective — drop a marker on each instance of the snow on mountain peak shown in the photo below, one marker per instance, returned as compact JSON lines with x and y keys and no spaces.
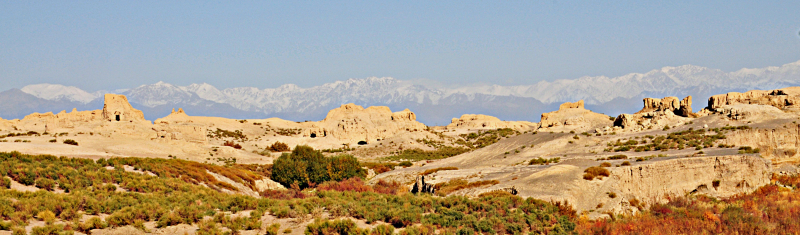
{"x":59,"y":92}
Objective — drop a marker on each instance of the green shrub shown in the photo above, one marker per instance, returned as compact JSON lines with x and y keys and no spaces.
{"x":273,"y":228}
{"x":71,"y":142}
{"x":47,"y":216}
{"x":307,"y":167}
{"x":419,"y":155}
{"x":382,"y":229}
{"x":45,"y":183}
{"x":5,"y":183}
{"x":406,"y":164}
{"x":339,"y":226}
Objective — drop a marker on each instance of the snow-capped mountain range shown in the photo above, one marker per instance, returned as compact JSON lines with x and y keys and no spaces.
{"x":522,"y":102}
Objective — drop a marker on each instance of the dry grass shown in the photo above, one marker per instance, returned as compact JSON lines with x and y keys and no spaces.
{"x":442,"y":189}
{"x":434,"y":170}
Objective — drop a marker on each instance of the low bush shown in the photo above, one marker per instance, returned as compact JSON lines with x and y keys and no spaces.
{"x":748,"y":150}
{"x":542,"y":161}
{"x":405,"y":164}
{"x":419,"y":155}
{"x":595,"y":172}
{"x":232,"y":145}
{"x":327,"y":227}
{"x":279,"y":147}
{"x":71,"y":142}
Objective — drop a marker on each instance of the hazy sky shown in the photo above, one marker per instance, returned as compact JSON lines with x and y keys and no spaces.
{"x":115,"y":44}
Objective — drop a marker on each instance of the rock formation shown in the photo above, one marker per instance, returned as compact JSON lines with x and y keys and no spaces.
{"x":671,"y":103}
{"x":719,"y":176}
{"x":353,"y":123}
{"x":480,"y":121}
{"x":420,"y":186}
{"x":779,"y":98}
{"x":573,"y":116}
{"x":117,"y":108}
{"x":656,"y":113}
{"x":780,"y":145}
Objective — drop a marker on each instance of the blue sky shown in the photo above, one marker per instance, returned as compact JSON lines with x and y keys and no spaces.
{"x":114,"y":44}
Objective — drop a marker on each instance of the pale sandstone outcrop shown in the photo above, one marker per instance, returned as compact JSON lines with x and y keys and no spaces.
{"x":779,"y":98}
{"x":717,"y":176}
{"x":657,"y":113}
{"x":573,"y":116}
{"x":778,"y":145}
{"x":354,"y":123}
{"x":267,"y":184}
{"x":480,"y":121}
{"x":178,"y":126}
{"x":117,"y":108}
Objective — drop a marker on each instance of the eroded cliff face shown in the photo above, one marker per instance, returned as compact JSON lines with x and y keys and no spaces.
{"x":779,"y":98}
{"x":718,"y":176}
{"x":779,"y":145}
{"x":647,"y":182}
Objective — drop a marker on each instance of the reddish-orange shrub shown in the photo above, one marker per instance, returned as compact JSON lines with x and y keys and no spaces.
{"x":385,"y":187}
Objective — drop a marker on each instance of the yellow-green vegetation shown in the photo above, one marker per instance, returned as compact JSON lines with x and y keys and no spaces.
{"x":485,"y":138}
{"x":220,"y":133}
{"x":288,"y":131}
{"x":13,"y":134}
{"x":130,"y":198}
{"x":434,"y":170}
{"x":465,"y":143}
{"x":691,"y":138}
{"x":442,"y":189}
{"x":543,"y":161}
{"x":645,"y":158}
{"x":419,"y":155}
{"x":748,"y":149}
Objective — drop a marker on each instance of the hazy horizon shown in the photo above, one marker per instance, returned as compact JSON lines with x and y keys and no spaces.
{"x":106,"y":46}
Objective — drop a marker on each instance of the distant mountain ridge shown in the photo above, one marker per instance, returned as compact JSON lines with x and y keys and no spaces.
{"x":434,"y":106}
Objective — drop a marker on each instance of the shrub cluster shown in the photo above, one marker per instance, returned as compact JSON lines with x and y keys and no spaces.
{"x":768,"y":210}
{"x":307,"y":167}
{"x":691,"y":138}
{"x":484,"y":138}
{"x":419,"y":154}
{"x":279,"y":147}
{"x":71,"y":142}
{"x":171,"y":199}
{"x":442,"y":189}
{"x":232,"y":145}
{"x":220,"y":133}
{"x":748,"y":149}
{"x":542,"y":161}
{"x":595,"y":172}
